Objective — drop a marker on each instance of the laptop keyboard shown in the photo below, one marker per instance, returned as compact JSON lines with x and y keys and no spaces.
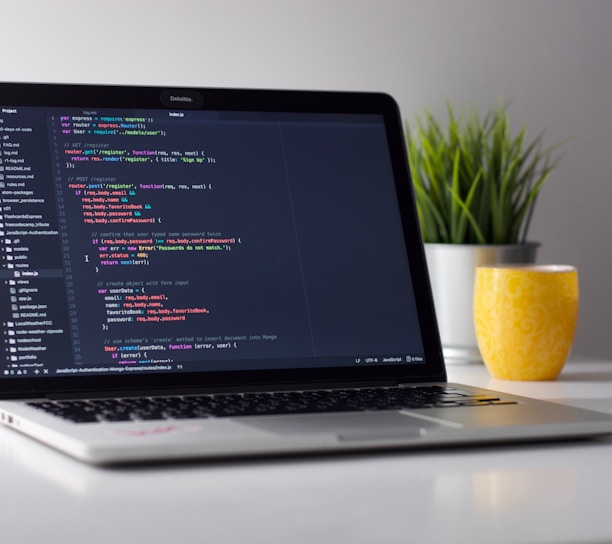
{"x":253,"y":404}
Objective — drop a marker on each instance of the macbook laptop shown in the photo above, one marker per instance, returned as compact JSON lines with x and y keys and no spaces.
{"x":209,"y":273}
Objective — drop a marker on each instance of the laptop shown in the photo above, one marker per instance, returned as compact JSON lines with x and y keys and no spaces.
{"x":211,"y":273}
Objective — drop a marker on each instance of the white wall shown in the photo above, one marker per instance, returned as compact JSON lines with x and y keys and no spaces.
{"x":552,"y":58}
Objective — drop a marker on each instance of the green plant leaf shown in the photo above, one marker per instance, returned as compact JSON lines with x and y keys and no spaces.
{"x":474,"y":181}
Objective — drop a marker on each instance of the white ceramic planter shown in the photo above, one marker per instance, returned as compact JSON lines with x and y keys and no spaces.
{"x":451,"y":272}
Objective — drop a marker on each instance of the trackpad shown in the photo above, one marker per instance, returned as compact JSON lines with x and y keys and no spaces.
{"x":347,"y":426}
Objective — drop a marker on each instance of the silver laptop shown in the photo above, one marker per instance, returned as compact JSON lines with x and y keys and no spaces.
{"x":206,"y":273}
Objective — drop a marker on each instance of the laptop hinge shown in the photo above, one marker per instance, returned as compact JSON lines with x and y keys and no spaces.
{"x":68,"y":395}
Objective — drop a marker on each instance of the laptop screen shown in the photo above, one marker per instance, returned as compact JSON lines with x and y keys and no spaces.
{"x":184,"y":239}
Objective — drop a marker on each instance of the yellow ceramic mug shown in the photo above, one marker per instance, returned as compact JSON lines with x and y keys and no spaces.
{"x":525,"y":318}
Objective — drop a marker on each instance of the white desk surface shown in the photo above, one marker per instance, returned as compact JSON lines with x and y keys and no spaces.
{"x":559,"y":492}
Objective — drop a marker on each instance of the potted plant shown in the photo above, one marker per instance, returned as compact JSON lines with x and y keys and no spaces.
{"x":476,"y":185}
